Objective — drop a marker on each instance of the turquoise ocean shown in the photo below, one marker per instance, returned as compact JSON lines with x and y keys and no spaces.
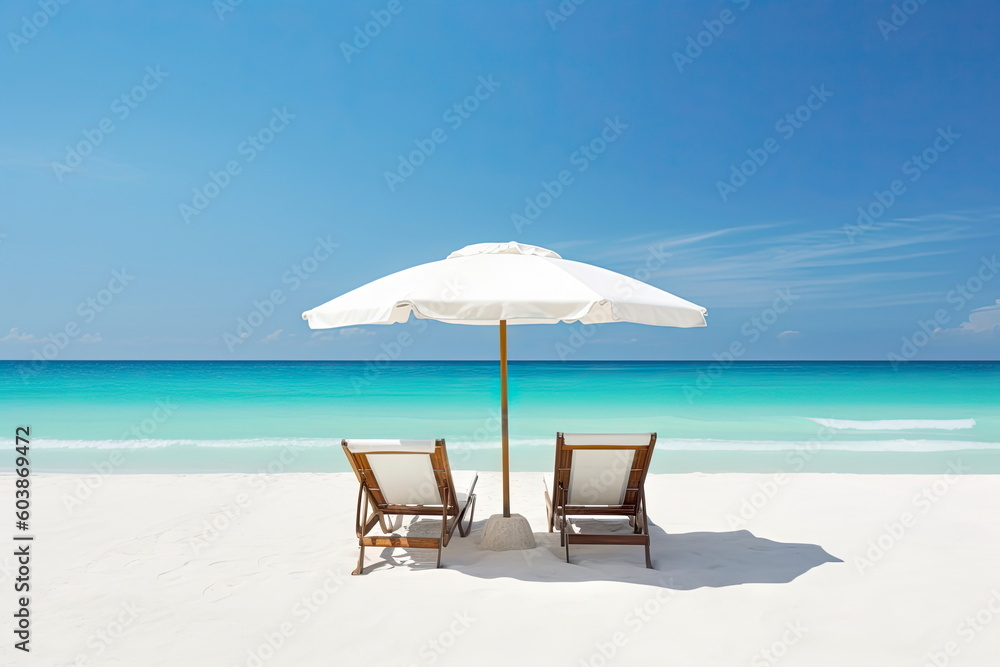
{"x":174,"y":416}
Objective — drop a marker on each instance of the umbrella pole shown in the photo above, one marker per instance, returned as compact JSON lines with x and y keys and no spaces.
{"x":504,"y":442}
{"x":506,"y":532}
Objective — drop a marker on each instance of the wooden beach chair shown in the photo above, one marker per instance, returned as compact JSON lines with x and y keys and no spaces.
{"x":408,"y":477}
{"x":600,"y":474}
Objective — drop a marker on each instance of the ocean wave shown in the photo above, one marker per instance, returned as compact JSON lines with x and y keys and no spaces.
{"x":161,"y":443}
{"x":668,"y":444}
{"x":911,"y":446}
{"x":254,"y":443}
{"x":896,"y":424}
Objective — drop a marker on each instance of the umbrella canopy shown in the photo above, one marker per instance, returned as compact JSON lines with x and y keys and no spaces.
{"x":506,"y":283}
{"x":522,"y":284}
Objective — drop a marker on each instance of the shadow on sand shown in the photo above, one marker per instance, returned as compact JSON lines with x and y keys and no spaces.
{"x":681,"y":561}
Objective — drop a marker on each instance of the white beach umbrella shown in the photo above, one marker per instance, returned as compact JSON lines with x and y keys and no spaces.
{"x":506,"y":283}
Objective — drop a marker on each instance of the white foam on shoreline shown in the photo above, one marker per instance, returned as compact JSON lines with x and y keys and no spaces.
{"x":895,"y":424}
{"x":162,"y":443}
{"x":669,"y":444}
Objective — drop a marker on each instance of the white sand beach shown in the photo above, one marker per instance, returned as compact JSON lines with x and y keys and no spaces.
{"x":806,"y":569}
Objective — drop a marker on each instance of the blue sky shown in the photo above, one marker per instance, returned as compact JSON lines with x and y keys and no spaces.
{"x":166,"y":171}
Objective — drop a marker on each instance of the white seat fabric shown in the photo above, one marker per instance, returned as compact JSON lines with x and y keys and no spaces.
{"x":607,"y":438}
{"x":366,"y":446}
{"x":405,"y":478}
{"x":404,"y":473}
{"x":599,"y":476}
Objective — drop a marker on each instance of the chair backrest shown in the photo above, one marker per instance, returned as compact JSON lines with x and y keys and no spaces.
{"x":402,"y":472}
{"x":603,"y":469}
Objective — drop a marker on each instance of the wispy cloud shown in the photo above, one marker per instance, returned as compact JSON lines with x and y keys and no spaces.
{"x":272,"y":337}
{"x":955,"y":216}
{"x":637,"y":248}
{"x":786,"y":337}
{"x":744,"y":265}
{"x":983,"y":322}
{"x":15,"y":336}
{"x":355,"y":331}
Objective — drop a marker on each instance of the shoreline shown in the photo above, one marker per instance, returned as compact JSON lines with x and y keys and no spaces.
{"x":249,"y":460}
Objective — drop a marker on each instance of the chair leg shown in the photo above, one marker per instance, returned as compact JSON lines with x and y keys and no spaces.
{"x":563,"y":523}
{"x":444,"y":532}
{"x":565,"y":540}
{"x":361,"y":520}
{"x":645,"y":527}
{"x":549,"y":511}
{"x":361,"y":561}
